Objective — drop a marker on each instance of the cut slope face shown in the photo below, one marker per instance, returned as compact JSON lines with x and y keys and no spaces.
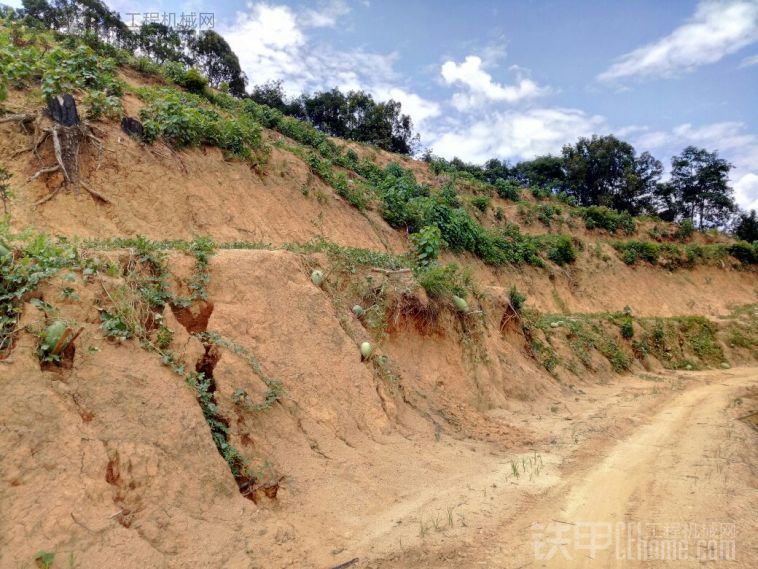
{"x":162,"y":194}
{"x":111,"y":458}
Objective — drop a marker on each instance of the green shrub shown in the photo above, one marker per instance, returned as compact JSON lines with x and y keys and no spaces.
{"x":507,"y":189}
{"x":442,"y":281}
{"x":600,"y":217}
{"x":633,"y":251}
{"x":516,"y":299}
{"x":25,"y":262}
{"x":545,"y":213}
{"x":685,"y":230}
{"x":99,"y":105}
{"x":560,"y":249}
{"x":183,"y":120}
{"x":744,"y":252}
{"x":426,"y":245}
{"x":627,"y":328}
{"x":540,"y":193}
{"x":568,"y":199}
{"x":190,"y":79}
{"x":481,"y":203}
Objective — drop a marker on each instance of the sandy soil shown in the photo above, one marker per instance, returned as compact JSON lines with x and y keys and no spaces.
{"x":677,"y":490}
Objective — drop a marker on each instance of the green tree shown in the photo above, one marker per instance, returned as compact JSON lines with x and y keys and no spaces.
{"x":356,"y":116}
{"x":698,"y":189}
{"x":604,"y":170}
{"x":747,"y":226}
{"x":161,"y":43}
{"x":272,"y":95}
{"x":215,"y":57}
{"x":543,"y":171}
{"x":90,"y":18}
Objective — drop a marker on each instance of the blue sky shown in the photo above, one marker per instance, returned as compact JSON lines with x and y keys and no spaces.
{"x":514,"y":79}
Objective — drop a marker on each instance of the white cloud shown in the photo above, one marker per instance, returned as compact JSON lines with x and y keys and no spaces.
{"x":746,"y":191}
{"x":748,"y":61}
{"x":272,"y":45}
{"x":326,"y":15}
{"x":481,"y":89}
{"x":517,"y":135}
{"x":420,"y":109}
{"x":718,"y":28}
{"x":729,"y":138}
{"x":267,"y":41}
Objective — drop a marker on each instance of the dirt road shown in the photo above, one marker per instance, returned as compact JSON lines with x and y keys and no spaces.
{"x":679,"y":490}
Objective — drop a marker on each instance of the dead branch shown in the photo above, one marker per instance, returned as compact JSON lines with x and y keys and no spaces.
{"x":48,"y":170}
{"x":49,"y":196}
{"x":19,"y":117}
{"x":390,"y":272}
{"x":94,"y":193}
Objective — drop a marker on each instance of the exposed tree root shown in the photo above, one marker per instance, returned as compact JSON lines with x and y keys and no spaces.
{"x":66,"y":148}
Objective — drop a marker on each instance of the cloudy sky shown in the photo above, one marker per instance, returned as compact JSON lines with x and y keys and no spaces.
{"x":517,"y":78}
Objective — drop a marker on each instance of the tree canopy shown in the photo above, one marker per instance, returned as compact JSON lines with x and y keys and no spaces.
{"x":354,"y":115}
{"x":698,"y":189}
{"x":604,"y":170}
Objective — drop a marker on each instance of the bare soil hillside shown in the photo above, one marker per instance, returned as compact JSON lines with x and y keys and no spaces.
{"x":211,"y":406}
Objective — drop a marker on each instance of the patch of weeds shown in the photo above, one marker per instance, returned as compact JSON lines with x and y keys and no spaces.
{"x":599,"y":217}
{"x":426,"y":245}
{"x":275,"y":390}
{"x":444,"y":281}
{"x":560,"y":249}
{"x":481,"y":203}
{"x":45,"y":559}
{"x":202,"y":248}
{"x":27,"y":260}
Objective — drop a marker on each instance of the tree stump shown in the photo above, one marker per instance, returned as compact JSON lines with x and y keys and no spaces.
{"x":67,"y":133}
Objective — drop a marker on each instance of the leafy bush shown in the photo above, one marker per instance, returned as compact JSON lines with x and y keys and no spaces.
{"x":508,"y":189}
{"x":59,"y":69}
{"x":743,"y":251}
{"x":540,"y":193}
{"x":99,"y":104}
{"x":190,"y":79}
{"x":608,"y":219}
{"x":182,"y":120}
{"x":481,"y":203}
{"x":627,"y":328}
{"x":348,"y":190}
{"x":426,"y":245}
{"x":517,"y":299}
{"x":633,"y":251}
{"x":560,"y":249}
{"x":685,"y":230}
{"x":25,"y":262}
{"x":545,"y":213}
{"x":441,"y":281}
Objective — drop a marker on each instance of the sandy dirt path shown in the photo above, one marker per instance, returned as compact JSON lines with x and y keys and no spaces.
{"x":679,"y":490}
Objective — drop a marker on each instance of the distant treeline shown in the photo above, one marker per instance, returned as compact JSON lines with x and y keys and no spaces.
{"x":606,"y":171}
{"x":353,"y":116}
{"x":601,"y":170}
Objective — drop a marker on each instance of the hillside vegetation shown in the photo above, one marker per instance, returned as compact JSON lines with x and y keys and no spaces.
{"x":241,"y":317}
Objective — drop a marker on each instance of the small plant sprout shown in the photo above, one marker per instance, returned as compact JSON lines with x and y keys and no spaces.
{"x":358,"y":311}
{"x":317,"y":277}
{"x":45,"y":559}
